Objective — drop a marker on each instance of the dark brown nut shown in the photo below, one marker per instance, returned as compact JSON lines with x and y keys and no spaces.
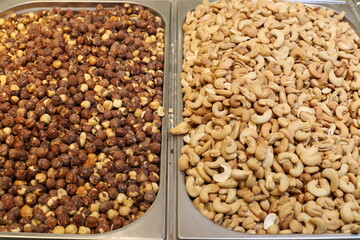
{"x":41,"y":228}
{"x":150,"y":196}
{"x":19,"y":201}
{"x":63,"y":219}
{"x":15,"y":227}
{"x":79,"y":220}
{"x":12,"y":215}
{"x":51,"y":222}
{"x":92,"y":222}
{"x":105,"y":206}
{"x":102,"y":228}
{"x":70,"y":208}
{"x":8,"y":202}
{"x":30,"y":199}
{"x":28,"y":228}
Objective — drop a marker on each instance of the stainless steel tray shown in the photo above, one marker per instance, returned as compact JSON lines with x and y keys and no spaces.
{"x":152,"y":225}
{"x":190,"y":223}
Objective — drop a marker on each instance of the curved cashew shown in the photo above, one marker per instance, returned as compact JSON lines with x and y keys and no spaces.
{"x":216,"y":109}
{"x":309,"y":227}
{"x":345,"y":185}
{"x":240,"y":175}
{"x":204,"y":194}
{"x":181,"y":128}
{"x":257,"y":119}
{"x":184,"y":162}
{"x":201,"y":170}
{"x":332,"y":175}
{"x":207,"y":213}
{"x":298,"y":52}
{"x":285,"y":210}
{"x":192,"y":189}
{"x":194,"y":172}
{"x":341,"y":111}
{"x":271,"y":219}
{"x":194,"y":159}
{"x":230,"y":183}
{"x":314,"y":69}
{"x":288,"y":156}
{"x":220,"y":207}
{"x":221,"y":133}
{"x":297,"y":170}
{"x":336,"y":81}
{"x":235,"y":206}
{"x":222,"y":177}
{"x":310,"y":156}
{"x":216,"y":164}
{"x":260,"y":152}
{"x":251,"y":145}
{"x":320,"y":225}
{"x":194,"y":140}
{"x":346,"y":212}
{"x":284,"y":181}
{"x":354,"y":107}
{"x":322,"y":191}
{"x":280,"y":38}
{"x":313,"y":209}
{"x":247,"y":132}
{"x":197,"y":103}
{"x":228,"y":148}
{"x":275,"y":136}
{"x":269,"y":158}
{"x":281,"y":109}
{"x":355,"y":85}
{"x":262,"y":35}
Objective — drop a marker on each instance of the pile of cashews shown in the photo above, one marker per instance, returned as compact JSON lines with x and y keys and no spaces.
{"x":271,"y":117}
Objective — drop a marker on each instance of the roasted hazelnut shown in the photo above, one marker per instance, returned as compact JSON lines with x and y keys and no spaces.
{"x":105,"y":206}
{"x":91,"y":222}
{"x":107,"y":88}
{"x":63,"y":219}
{"x":51,"y":222}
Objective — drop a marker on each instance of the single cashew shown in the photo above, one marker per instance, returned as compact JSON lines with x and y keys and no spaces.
{"x":228,"y":148}
{"x":322,"y":191}
{"x":181,"y":128}
{"x":314,"y":69}
{"x":220,"y":207}
{"x":336,"y":81}
{"x":310,"y":156}
{"x":240,"y":175}
{"x":247,"y":132}
{"x":313,"y":209}
{"x":297,"y":170}
{"x":320,"y":225}
{"x":280,"y":38}
{"x":222,"y":177}
{"x":192,"y":189}
{"x":204,"y":211}
{"x":184,"y":162}
{"x":345,"y":185}
{"x":269,"y":159}
{"x":331,"y":174}
{"x":221,"y":133}
{"x":257,"y":119}
{"x":346,"y":212}
{"x":204,"y":194}
{"x":270,"y":219}
{"x":284,"y":181}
